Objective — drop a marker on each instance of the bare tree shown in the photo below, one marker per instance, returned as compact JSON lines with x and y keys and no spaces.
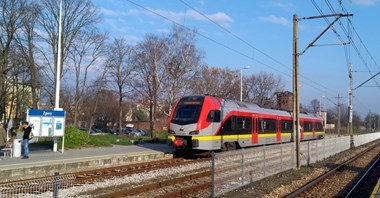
{"x":17,"y":85}
{"x":97,"y":88}
{"x":67,"y":100}
{"x":183,"y":62}
{"x":27,"y":44}
{"x":107,"y":107}
{"x":261,"y":88}
{"x":120,"y":68}
{"x":12,"y":13}
{"x":149,"y":61}
{"x":221,"y":82}
{"x":87,"y":48}
{"x":332,"y":116}
{"x":314,"y":106}
{"x":77,"y":16}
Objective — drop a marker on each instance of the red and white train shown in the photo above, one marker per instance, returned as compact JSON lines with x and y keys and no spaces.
{"x":200,"y":124}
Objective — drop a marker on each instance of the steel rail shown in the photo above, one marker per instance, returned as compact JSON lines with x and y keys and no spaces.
{"x":328,"y":173}
{"x":137,"y":168}
{"x":158,"y":185}
{"x":359,"y":183}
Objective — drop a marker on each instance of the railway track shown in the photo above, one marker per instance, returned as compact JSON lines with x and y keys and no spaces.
{"x":341,"y":179}
{"x":101,"y":174}
{"x":194,"y":183}
{"x":44,"y":184}
{"x":362,"y":188}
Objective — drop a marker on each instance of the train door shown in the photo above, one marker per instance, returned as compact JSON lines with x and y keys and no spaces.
{"x":278,"y":130}
{"x":302,"y":129}
{"x":255,"y":135}
{"x":313,"y":126}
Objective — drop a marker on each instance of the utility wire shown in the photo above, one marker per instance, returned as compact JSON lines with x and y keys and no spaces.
{"x":234,"y":50}
{"x":366,"y":49}
{"x":253,"y":47}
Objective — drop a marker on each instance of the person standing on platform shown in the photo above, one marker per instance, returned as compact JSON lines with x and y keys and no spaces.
{"x":25,"y":139}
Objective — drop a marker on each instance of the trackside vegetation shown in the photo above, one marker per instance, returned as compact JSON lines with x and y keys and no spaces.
{"x":76,"y":139}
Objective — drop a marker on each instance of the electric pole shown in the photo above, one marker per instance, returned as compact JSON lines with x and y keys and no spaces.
{"x":370,"y":121}
{"x":350,"y":113}
{"x":296,"y":103}
{"x":338,"y":127}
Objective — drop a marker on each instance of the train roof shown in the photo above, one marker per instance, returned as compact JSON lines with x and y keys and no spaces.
{"x":251,"y":107}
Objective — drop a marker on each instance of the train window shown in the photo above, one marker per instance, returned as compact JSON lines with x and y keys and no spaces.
{"x":286,"y":126}
{"x":213,"y":116}
{"x":318,"y":126}
{"x":228,"y":127}
{"x":307,"y":126}
{"x":267,"y":125}
{"x":244,"y":124}
{"x":236,"y":125}
{"x":187,"y":112}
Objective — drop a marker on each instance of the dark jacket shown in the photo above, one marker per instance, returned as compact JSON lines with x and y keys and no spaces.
{"x":27,"y":132}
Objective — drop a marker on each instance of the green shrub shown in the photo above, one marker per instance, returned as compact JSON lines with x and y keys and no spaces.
{"x":75,"y":138}
{"x":100,"y":140}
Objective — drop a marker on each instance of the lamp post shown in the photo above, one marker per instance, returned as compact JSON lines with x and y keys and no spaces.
{"x":241,"y":81}
{"x":320,"y":105}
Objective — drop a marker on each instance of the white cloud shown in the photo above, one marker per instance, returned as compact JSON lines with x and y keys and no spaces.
{"x":365,"y":2}
{"x":111,"y":13}
{"x":133,"y":12}
{"x":275,"y":20}
{"x":219,"y":17}
{"x":175,"y":16}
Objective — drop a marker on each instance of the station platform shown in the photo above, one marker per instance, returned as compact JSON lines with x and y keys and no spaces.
{"x":376,"y":191}
{"x":44,"y":162}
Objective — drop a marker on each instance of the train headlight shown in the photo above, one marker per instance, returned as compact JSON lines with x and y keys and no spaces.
{"x":171,"y":132}
{"x":194,"y":132}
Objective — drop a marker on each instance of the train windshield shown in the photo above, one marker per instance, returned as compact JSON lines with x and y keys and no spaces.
{"x":188,"y":110}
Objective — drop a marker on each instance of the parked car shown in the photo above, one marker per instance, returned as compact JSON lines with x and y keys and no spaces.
{"x":83,"y":129}
{"x":127,"y":131}
{"x":143,"y":132}
{"x":110,"y":131}
{"x":135,"y":133}
{"x":97,"y":130}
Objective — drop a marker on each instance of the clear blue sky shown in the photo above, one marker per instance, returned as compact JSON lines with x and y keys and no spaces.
{"x":259,"y":33}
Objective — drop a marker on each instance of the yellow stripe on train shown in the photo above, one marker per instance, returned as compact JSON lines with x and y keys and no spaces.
{"x":227,"y":137}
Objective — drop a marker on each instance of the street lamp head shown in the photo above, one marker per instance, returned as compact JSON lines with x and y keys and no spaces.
{"x":246,"y":67}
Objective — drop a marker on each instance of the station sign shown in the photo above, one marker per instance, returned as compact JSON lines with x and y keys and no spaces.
{"x":46,"y":123}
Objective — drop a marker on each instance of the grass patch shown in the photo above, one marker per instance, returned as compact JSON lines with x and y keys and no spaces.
{"x":76,"y":139}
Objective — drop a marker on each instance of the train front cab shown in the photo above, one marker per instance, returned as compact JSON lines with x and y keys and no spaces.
{"x":196,"y":137}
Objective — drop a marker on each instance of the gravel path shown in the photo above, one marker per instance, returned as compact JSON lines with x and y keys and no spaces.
{"x":281,"y":184}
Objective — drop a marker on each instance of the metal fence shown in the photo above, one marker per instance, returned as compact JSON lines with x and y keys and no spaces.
{"x":363,"y":139}
{"x":232,"y":170}
{"x":44,"y":187}
{"x":314,"y":151}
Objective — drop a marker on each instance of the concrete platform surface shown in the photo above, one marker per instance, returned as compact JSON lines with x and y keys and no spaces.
{"x":44,"y":162}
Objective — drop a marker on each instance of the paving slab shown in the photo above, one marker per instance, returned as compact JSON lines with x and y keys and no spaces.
{"x":44,"y":162}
